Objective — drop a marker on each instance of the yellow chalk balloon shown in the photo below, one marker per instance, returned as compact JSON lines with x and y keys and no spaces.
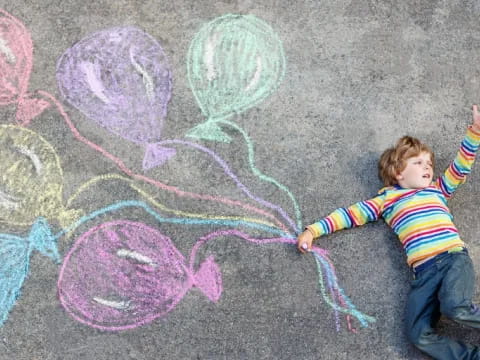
{"x":31,"y":179}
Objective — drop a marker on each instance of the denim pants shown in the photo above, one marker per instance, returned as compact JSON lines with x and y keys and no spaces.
{"x":444,"y":287}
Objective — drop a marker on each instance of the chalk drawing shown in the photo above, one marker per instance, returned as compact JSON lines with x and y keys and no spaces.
{"x":345,"y":306}
{"x":122,"y":274}
{"x":15,"y":254}
{"x":229,"y":173}
{"x":144,"y":276}
{"x":16,"y":57}
{"x":78,"y":93}
{"x":322,"y":259}
{"x":212,"y":221}
{"x":140,"y":177}
{"x":108,"y":177}
{"x":120,"y":78}
{"x":328,"y":275}
{"x":31,"y":179}
{"x":226,"y":170}
{"x":234,"y":62}
{"x":145,"y":258}
{"x":134,"y":289}
{"x":15,"y":251}
{"x":251,"y":160}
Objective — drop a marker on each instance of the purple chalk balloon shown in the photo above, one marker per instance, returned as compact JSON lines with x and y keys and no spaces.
{"x":121,"y":79}
{"x":123,"y":274}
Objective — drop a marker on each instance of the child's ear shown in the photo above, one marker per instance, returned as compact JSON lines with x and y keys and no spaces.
{"x":399,"y":177}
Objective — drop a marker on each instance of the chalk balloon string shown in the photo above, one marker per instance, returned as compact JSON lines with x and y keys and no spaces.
{"x":131,"y":183}
{"x":322,"y":260}
{"x":146,"y":179}
{"x":251,"y":161}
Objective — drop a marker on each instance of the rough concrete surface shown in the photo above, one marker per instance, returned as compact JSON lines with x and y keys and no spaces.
{"x":358,"y":75}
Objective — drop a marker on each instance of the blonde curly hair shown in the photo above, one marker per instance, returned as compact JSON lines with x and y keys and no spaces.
{"x":394,"y":160}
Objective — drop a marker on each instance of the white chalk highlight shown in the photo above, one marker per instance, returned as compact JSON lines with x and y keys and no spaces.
{"x":119,"y":305}
{"x":146,"y":78}
{"x":5,"y":50}
{"x":256,"y":76}
{"x":209,"y":56}
{"x":37,"y":164}
{"x":8,"y":201}
{"x":126,"y":254}
{"x":95,"y":84}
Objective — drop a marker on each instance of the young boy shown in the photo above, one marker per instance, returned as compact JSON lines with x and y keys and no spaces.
{"x":415,"y":207}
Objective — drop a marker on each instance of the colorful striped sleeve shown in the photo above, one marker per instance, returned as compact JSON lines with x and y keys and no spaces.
{"x":344,"y":218}
{"x":457,"y":171}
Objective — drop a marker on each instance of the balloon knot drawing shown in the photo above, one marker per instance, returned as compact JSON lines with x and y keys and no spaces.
{"x":15,"y":254}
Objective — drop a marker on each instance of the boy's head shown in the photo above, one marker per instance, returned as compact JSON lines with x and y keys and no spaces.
{"x":409,"y":164}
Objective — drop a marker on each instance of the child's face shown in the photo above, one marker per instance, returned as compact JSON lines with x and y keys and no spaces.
{"x":418,"y":172}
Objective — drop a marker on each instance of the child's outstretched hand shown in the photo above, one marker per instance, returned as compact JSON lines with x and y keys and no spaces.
{"x":304,"y":241}
{"x":476,"y":119}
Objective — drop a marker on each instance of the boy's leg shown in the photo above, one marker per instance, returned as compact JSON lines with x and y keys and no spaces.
{"x":457,"y":291}
{"x":422,"y":311}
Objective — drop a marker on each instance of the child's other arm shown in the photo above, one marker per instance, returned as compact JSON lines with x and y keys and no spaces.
{"x":457,"y":171}
{"x":342,"y":218}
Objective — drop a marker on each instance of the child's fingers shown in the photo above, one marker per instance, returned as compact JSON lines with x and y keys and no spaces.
{"x":304,"y":242}
{"x":302,"y":247}
{"x":475,"y":110}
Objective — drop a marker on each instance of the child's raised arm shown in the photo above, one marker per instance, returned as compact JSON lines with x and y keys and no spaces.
{"x":460,"y":167}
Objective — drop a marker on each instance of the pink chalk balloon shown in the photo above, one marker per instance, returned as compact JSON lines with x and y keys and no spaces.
{"x":16,"y":58}
{"x":122,"y":274}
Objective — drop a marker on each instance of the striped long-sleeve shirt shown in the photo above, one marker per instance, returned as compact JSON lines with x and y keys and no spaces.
{"x":420,"y":217}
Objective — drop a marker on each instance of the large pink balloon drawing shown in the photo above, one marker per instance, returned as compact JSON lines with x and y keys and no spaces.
{"x":120,"y":78}
{"x":16,"y":57}
{"x":122,"y":274}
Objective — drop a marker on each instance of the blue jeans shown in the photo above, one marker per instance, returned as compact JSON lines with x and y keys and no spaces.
{"x":444,"y":287}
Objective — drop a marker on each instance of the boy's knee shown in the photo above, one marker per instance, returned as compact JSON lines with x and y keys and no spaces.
{"x":423,"y":339}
